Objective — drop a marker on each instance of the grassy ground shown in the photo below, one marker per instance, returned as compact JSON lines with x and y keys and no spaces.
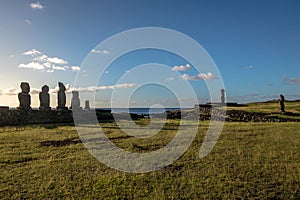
{"x":272,"y":108}
{"x":250,"y":160}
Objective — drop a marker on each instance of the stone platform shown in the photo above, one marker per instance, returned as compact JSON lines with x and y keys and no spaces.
{"x":10,"y":117}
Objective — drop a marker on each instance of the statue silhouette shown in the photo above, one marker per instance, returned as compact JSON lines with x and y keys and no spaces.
{"x":75,"y":102}
{"x":24,"y":97}
{"x":281,"y":101}
{"x":61,"y":97}
{"x":44,"y":98}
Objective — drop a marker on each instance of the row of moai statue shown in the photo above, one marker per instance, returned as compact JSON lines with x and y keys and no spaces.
{"x":44,"y":97}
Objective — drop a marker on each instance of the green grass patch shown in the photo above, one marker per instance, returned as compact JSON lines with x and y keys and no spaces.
{"x":292,"y":108}
{"x":250,"y":160}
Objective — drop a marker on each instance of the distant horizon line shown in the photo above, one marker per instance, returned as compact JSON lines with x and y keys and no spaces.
{"x":169,"y":107}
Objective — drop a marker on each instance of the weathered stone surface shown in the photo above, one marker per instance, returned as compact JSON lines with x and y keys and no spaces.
{"x":222,"y":96}
{"x":18,"y":117}
{"x":24,"y":97}
{"x":61,"y":97}
{"x":87,"y":105}
{"x":281,"y":102}
{"x":44,"y":98}
{"x":4,"y":109}
{"x":75,"y":101}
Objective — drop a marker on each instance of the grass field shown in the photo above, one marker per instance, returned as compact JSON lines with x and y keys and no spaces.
{"x":250,"y":160}
{"x":270,"y":107}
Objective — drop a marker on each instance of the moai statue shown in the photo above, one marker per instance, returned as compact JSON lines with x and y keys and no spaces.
{"x":61,"y":97}
{"x":24,"y":97}
{"x":87,"y":105}
{"x":281,"y":101}
{"x":44,"y":98}
{"x":223,"y":97}
{"x":75,"y":101}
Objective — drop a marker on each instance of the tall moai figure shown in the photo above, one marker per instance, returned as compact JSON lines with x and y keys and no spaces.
{"x":61,"y":97}
{"x":24,"y":97}
{"x":223,"y":97}
{"x":87,"y":105}
{"x":75,"y":101}
{"x":281,"y":102}
{"x":44,"y":98}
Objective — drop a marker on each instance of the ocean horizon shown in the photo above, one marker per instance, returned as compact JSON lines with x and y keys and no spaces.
{"x":141,"y":110}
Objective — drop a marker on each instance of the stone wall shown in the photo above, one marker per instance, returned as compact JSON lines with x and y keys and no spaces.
{"x":18,"y":117}
{"x":231,"y":115}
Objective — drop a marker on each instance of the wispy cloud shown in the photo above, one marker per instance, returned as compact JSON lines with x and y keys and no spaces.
{"x":36,"y":5}
{"x":56,"y":60}
{"x":28,"y":21}
{"x":290,"y":81}
{"x":69,"y":89}
{"x":201,"y":76}
{"x":111,"y":87}
{"x":32,"y":65}
{"x":249,"y":67}
{"x":9,"y":91}
{"x":181,"y":67}
{"x":42,"y":62}
{"x":75,"y":68}
{"x":170,"y":79}
{"x":105,"y":52}
{"x":32,"y":52}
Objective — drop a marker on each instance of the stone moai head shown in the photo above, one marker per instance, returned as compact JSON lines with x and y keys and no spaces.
{"x":222,"y":91}
{"x":75,"y":94}
{"x":61,"y":87}
{"x":25,"y":87}
{"x":45,"y":89}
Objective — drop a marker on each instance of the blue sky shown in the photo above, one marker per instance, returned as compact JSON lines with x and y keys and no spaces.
{"x":254,"y":44}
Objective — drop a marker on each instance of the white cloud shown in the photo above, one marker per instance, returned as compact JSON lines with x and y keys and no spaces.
{"x":41,"y":58}
{"x":249,"y":67}
{"x":56,"y":60}
{"x":69,"y":89}
{"x":201,"y":76}
{"x":14,"y":91}
{"x":36,"y":5}
{"x":181,"y":67}
{"x":32,"y":52}
{"x":42,"y":62}
{"x":111,"y":87}
{"x":58,"y":68}
{"x":28,"y":21}
{"x":32,"y":65}
{"x":75,"y":68}
{"x":170,"y":79}
{"x":105,"y":52}
{"x":290,"y":81}
{"x":34,"y":91}
{"x":9,"y":91}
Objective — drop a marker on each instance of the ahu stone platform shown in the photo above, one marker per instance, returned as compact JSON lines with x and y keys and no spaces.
{"x":10,"y":117}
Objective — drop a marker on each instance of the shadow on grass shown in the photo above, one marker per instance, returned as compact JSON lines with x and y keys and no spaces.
{"x":21,"y":160}
{"x":55,"y":125}
{"x":60,"y":143}
{"x":292,"y":114}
